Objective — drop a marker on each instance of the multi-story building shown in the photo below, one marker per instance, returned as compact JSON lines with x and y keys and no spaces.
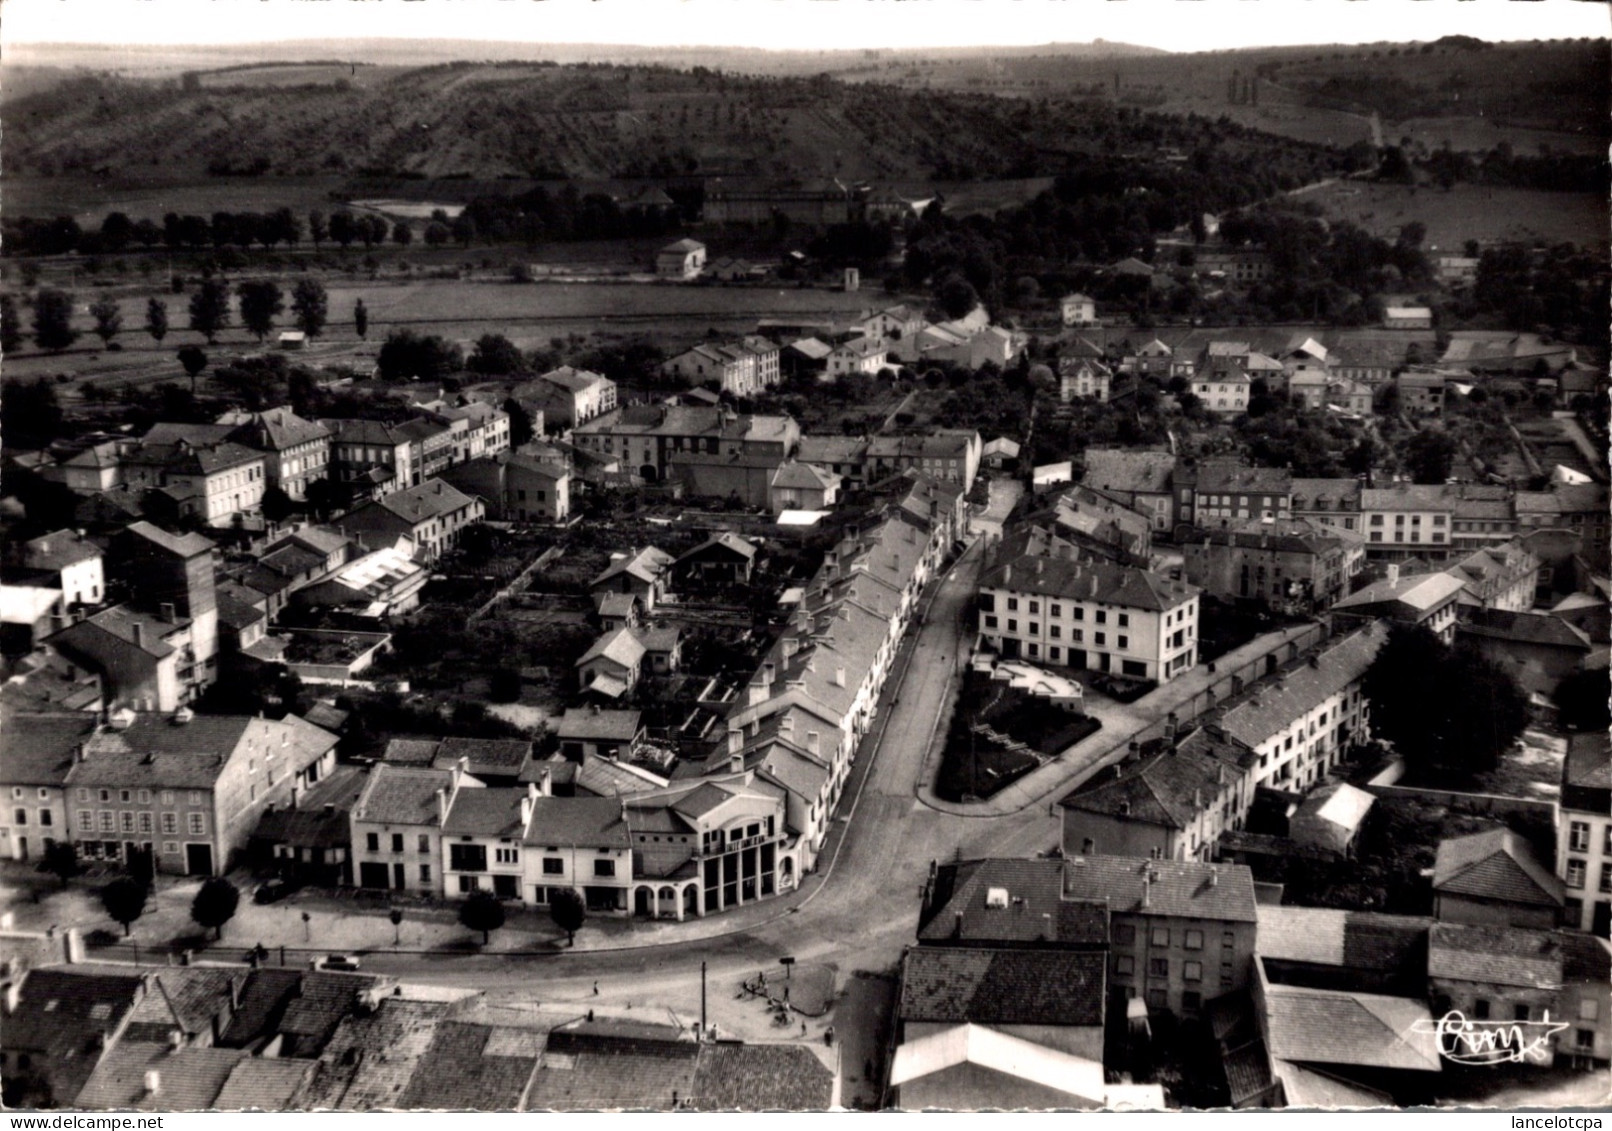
{"x":1503,"y":577}
{"x":371,"y":458}
{"x":1328,"y":502}
{"x":186,"y":791}
{"x":1226,"y":492}
{"x":582,"y":843}
{"x":397,"y":826}
{"x":295,"y":451}
{"x":859,"y":355}
{"x":40,"y":750}
{"x":1039,"y":601}
{"x":569,"y":397}
{"x":1301,"y":720}
{"x":431,"y":516}
{"x":653,"y":441}
{"x":1078,"y":310}
{"x":1428,"y":599}
{"x":431,"y":446}
{"x":1139,"y":480}
{"x":1584,"y":833}
{"x":1083,"y":379}
{"x":1421,"y":391}
{"x":482,"y":838}
{"x":1481,"y":515}
{"x":1494,"y":879}
{"x":1224,"y":391}
{"x":1181,"y":931}
{"x":73,"y":561}
{"x":215,"y":482}
{"x":733,"y":367}
{"x":1577,"y":507}
{"x":894,"y":325}
{"x":1171,"y":799}
{"x":1407,"y":520}
{"x":952,"y":454}
{"x":515,"y":487}
{"x":1503,"y":974}
{"x":1286,"y":564}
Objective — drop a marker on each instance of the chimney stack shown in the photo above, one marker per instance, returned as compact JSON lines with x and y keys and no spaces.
{"x":442,"y":806}
{"x":153,"y":1082}
{"x":168,"y":613}
{"x":138,"y":634}
{"x":736,"y":764}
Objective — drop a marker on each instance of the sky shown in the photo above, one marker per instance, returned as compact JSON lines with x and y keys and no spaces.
{"x":1174,"y":25}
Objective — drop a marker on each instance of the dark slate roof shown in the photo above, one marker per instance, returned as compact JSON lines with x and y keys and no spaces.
{"x":1229,"y":476}
{"x":1121,"y":469}
{"x":733,"y":1077}
{"x":58,"y":550}
{"x":310,"y":824}
{"x":1505,"y":956}
{"x":1003,"y":987}
{"x":411,"y":751}
{"x":961,"y":890}
{"x":1168,"y":888}
{"x":499,"y":756}
{"x":324,"y":998}
{"x":401,"y":796}
{"x":603,"y":1068}
{"x":587,"y":822}
{"x":485,"y":812}
{"x":1021,"y":567}
{"x":263,"y":1002}
{"x":1523,"y":628}
{"x":1587,"y":772}
{"x":1167,"y":787}
{"x":62,"y":1014}
{"x":475,"y":1067}
{"x":1497,"y":864}
{"x":1586,"y":959}
{"x":588,"y":724}
{"x":39,"y":748}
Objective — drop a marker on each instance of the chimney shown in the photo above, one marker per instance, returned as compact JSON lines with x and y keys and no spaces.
{"x":138,"y":634}
{"x":153,"y":1082}
{"x":73,"y":946}
{"x":735,"y":740}
{"x":1214,"y":876}
{"x":957,"y":925}
{"x":736,"y":764}
{"x":769,"y":673}
{"x":532,"y":794}
{"x":1007,"y":572}
{"x":235,"y":987}
{"x":176,"y":1040}
{"x":1133,"y":750}
{"x":1147,"y":890}
{"x":1170,"y":728}
{"x":813,"y":742}
{"x":790,"y":645}
{"x":442,"y":805}
{"x":839,"y":677}
{"x":168,"y":613}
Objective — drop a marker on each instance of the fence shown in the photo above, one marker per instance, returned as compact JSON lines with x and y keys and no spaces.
{"x":520,"y":582}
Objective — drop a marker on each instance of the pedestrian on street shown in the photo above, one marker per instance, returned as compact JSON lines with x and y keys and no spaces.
{"x":596,"y":989}
{"x":803,"y":1028}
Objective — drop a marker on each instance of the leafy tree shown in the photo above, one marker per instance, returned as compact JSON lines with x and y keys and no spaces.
{"x":343,"y":227}
{"x":360,"y":318}
{"x":437,"y":233}
{"x":957,"y":297}
{"x":482,"y":911}
{"x":318,"y":229}
{"x":284,"y":227}
{"x":261,"y":302}
{"x":108,"y":319}
{"x":30,"y":412}
{"x":116,"y":231}
{"x":215,"y":905}
{"x":520,"y":423}
{"x":495,"y":356}
{"x":125,"y":901}
{"x":194,"y":361}
{"x":10,"y":325}
{"x":396,"y":916}
{"x":209,"y":309}
{"x":406,"y":356}
{"x":53,"y":320}
{"x":402,"y":234}
{"x":1442,"y":709}
{"x":1582,"y":698}
{"x":464,"y":228}
{"x":277,"y":505}
{"x":569,"y":911}
{"x":310,"y":306}
{"x":1429,"y":455}
{"x":157,"y":320}
{"x":61,"y":860}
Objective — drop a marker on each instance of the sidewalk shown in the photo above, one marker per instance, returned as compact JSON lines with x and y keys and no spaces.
{"x":1121,"y":722}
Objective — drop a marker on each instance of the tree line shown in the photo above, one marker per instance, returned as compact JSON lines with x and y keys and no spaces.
{"x":61,"y":235}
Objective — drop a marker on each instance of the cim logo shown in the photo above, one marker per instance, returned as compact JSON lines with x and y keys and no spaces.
{"x":1467,"y":1040}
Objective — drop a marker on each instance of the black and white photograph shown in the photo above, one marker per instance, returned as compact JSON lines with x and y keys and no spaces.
{"x":811,"y":556}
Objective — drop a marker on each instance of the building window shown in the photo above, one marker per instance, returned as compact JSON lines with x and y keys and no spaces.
{"x":1225,"y":974}
{"x":467,"y":884}
{"x":1013,"y":604}
{"x":1156,"y":998}
{"x":1519,"y":1012}
{"x":1588,"y":1009}
{"x":170,"y":823}
{"x":605,"y":868}
{"x":1102,"y":617}
{"x":198,"y":824}
{"x":108,"y":821}
{"x":1124,"y":620}
{"x":1159,"y":936}
{"x":1578,"y":836}
{"x":990,"y":622}
{"x":467,"y":857}
{"x":1228,"y":939}
{"x":1192,"y":971}
{"x":424,"y":843}
{"x":19,"y":816}
{"x":1194,"y":940}
{"x":1575,"y":873}
{"x":145,"y":822}
{"x":1584,"y":1039}
{"x":553,"y":866}
{"x":1480,"y":1009}
{"x":86,"y":820}
{"x":1158,"y":967}
{"x":1124,"y":934}
{"x":372,"y":841}
{"x":1124,"y":964}
{"x":425,"y":873}
{"x":1606,"y":869}
{"x":506,"y":855}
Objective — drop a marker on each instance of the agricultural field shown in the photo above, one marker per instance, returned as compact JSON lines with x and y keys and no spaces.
{"x":293,"y":74}
{"x":1467,"y":212}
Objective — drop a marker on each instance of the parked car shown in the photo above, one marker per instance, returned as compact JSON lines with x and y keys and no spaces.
{"x":339,"y":962}
{"x":272,"y":891}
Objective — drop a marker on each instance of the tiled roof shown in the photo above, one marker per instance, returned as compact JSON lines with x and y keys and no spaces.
{"x":278,"y":429}
{"x":323,"y":999}
{"x":1018,"y":568}
{"x":88,"y":636}
{"x":498,"y":756}
{"x":39,"y":748}
{"x":1230,"y":475}
{"x":733,"y":1077}
{"x":1523,"y":628}
{"x":961,"y":913}
{"x":1342,"y":1028}
{"x":485,"y":812}
{"x":586,"y":724}
{"x":1003,"y":987}
{"x":154,"y":750}
{"x":170,"y":432}
{"x":1166,"y":787}
{"x":1506,"y":956}
{"x":1588,"y":764}
{"x":621,"y":647}
{"x":190,"y":997}
{"x":1051,"y":1071}
{"x":264,"y":1084}
{"x":1273,"y":703}
{"x":475,"y":1067}
{"x":1168,"y":888}
{"x":1405,"y":497}
{"x":1586,"y":959}
{"x":647,"y":565}
{"x":587,"y":1070}
{"x":373,"y":1054}
{"x":1119,"y":469}
{"x":1497,"y":864}
{"x":602,"y":777}
{"x":1326,"y":936}
{"x":262,"y":1003}
{"x":429,"y":500}
{"x":398,"y":795}
{"x":579,"y":822}
{"x":832,"y":449}
{"x":58,"y":550}
{"x":61,"y":1016}
{"x":572,"y":380}
{"x":411,"y":751}
{"x":188,"y":1079}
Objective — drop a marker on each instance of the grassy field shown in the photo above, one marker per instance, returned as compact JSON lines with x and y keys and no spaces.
{"x":1468,"y":212}
{"x":1485,"y":133}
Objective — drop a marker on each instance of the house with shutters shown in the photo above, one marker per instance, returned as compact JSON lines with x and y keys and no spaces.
{"x":397,"y":826}
{"x":431,"y":516}
{"x":296,"y":451}
{"x":73,"y":564}
{"x":40,"y":750}
{"x":482,"y":840}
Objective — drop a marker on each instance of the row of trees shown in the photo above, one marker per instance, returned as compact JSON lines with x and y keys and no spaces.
{"x":61,"y":235}
{"x":261,"y":302}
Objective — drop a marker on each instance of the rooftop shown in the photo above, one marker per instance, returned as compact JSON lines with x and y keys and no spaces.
{"x":962,"y":908}
{"x":1506,"y":956}
{"x":1497,"y":865}
{"x":955,"y":985}
{"x":1165,"y":888}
